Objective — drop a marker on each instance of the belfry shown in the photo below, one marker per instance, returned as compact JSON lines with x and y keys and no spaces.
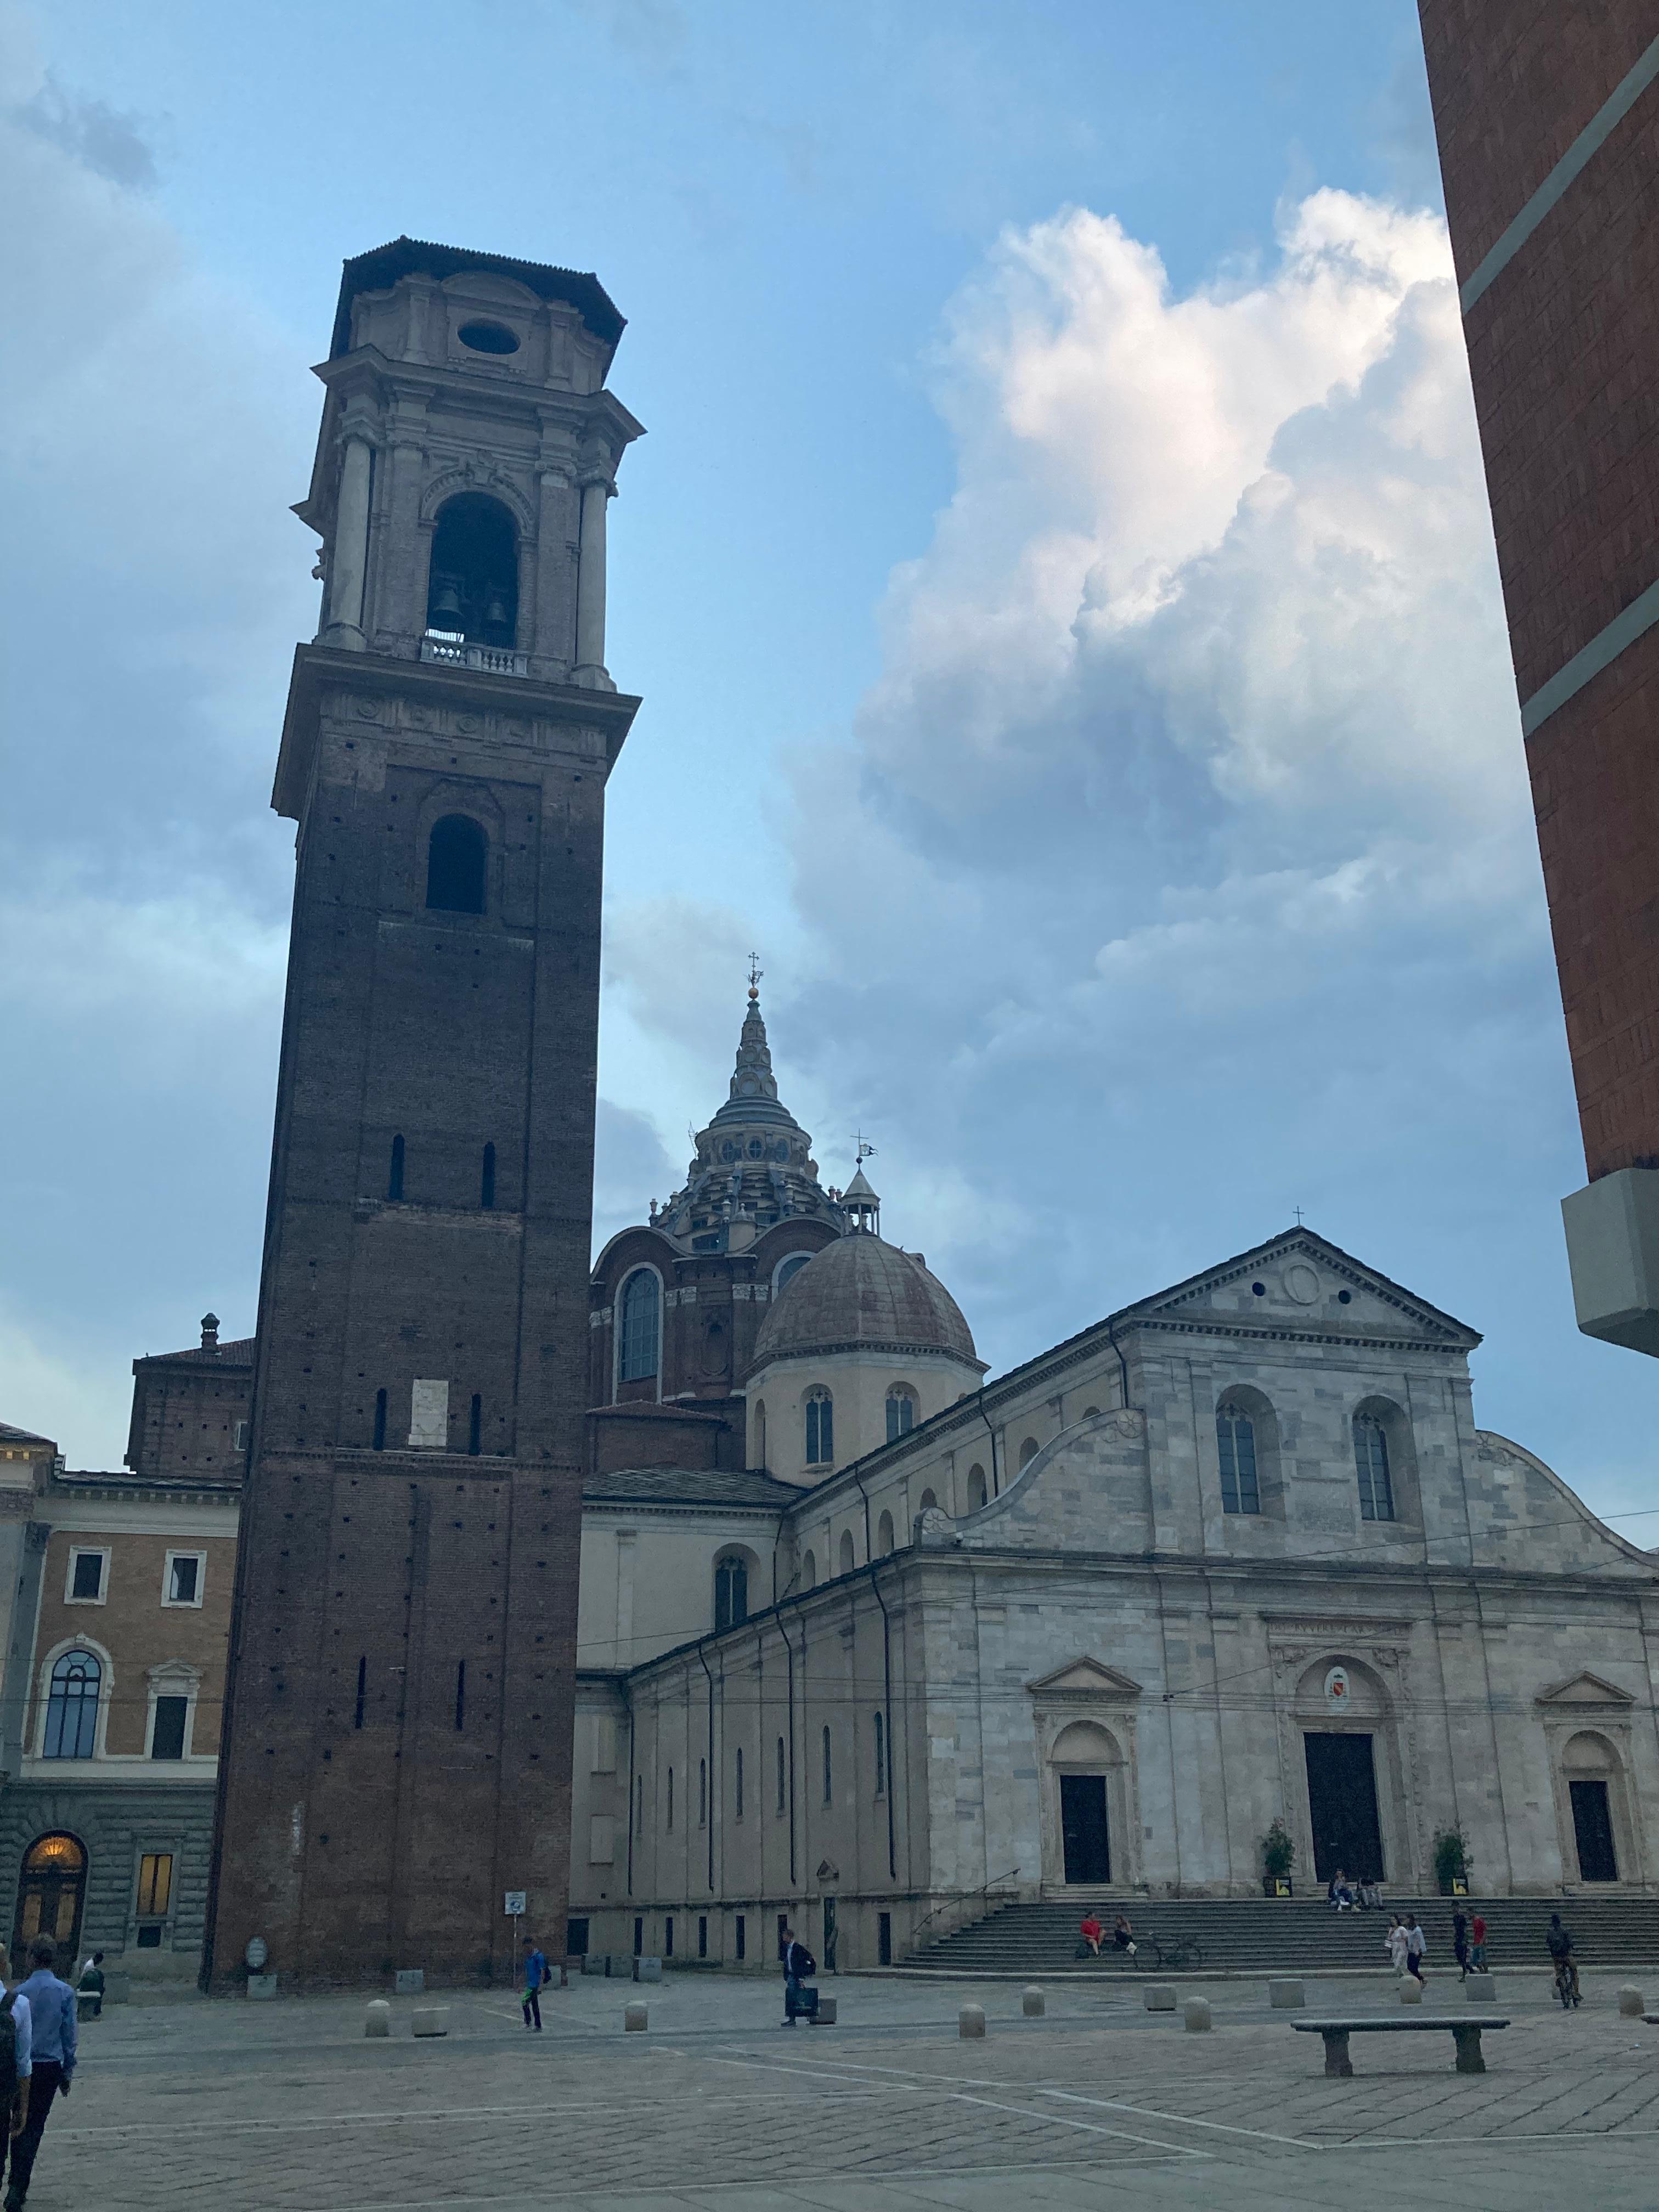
{"x":402,"y":1670}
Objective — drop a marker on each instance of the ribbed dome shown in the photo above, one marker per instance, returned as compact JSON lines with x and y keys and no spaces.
{"x":860,"y":1294}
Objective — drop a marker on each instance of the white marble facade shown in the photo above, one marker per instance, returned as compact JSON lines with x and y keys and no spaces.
{"x":907,"y":1726}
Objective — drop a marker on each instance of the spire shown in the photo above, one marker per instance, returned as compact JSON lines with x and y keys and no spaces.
{"x":752,"y":1076}
{"x":859,"y":1199}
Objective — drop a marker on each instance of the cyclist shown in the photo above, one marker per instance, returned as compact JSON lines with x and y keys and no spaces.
{"x":1560,"y":1940}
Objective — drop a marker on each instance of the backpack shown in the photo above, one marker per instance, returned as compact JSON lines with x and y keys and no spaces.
{"x":805,"y":1965}
{"x":7,"y":2053}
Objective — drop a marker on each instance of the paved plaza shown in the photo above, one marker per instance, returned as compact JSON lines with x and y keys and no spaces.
{"x":286,"y":2107}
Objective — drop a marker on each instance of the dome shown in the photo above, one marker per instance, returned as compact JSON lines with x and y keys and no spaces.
{"x":861,"y":1294}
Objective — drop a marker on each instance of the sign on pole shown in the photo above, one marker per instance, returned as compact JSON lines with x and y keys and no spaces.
{"x":515,"y":1906}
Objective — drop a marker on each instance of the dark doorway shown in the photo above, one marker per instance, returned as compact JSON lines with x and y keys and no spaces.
{"x":1342,"y":1804}
{"x":1592,"y":1825}
{"x":50,"y":1897}
{"x":1083,"y":1827}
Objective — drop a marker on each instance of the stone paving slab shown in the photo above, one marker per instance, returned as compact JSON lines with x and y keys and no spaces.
{"x":286,"y":2107}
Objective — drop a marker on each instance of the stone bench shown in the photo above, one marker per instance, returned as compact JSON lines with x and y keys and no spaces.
{"x":1465,"y":2032}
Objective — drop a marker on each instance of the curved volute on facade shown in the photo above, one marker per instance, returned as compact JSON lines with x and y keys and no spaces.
{"x":862,"y":1346}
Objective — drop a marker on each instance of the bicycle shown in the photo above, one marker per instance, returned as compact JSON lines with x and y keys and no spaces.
{"x":1566,"y":1983}
{"x":1167,"y":1954}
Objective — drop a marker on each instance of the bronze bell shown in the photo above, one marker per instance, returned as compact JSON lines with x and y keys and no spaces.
{"x":496,"y":612}
{"x":445,"y":607}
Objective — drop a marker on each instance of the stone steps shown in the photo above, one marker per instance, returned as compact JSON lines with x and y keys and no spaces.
{"x":1292,"y":1935}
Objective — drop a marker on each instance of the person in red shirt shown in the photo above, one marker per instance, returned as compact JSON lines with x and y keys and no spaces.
{"x":1092,"y":1931}
{"x":1478,"y":1944}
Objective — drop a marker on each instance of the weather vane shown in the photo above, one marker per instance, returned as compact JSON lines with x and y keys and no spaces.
{"x":865,"y":1151}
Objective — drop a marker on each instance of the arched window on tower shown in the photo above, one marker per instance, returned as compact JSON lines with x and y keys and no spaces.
{"x":473,"y":588}
{"x":77,"y":1679}
{"x":731,"y":1591}
{"x":456,"y":853}
{"x":1235,"y":1436}
{"x":820,"y":1428}
{"x":1371,"y":1452}
{"x":976,"y":1487}
{"x":901,"y":1411}
{"x":637,"y":1346}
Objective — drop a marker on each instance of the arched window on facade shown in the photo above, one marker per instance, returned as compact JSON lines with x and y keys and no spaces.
{"x":883,"y":1536}
{"x":820,"y":1428}
{"x":901,"y":1411}
{"x":848,"y":1560}
{"x":829,"y":1771}
{"x":881,"y":1755}
{"x":1028,"y":1452}
{"x":976,"y":1487}
{"x":786,"y":1270}
{"x":636,"y":1345}
{"x":1370,"y":1453}
{"x":1235,"y":1438}
{"x":928,"y":1498}
{"x":77,"y":1681}
{"x":809,"y":1569}
{"x":456,"y":852}
{"x":473,"y":588}
{"x":731,"y":1592}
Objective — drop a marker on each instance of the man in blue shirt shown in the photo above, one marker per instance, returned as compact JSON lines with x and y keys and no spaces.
{"x":51,"y":2035}
{"x":535,"y":1973}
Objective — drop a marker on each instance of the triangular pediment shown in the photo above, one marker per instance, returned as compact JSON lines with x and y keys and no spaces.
{"x":1585,"y":1689}
{"x":1088,"y":1677}
{"x":1300,"y":1281}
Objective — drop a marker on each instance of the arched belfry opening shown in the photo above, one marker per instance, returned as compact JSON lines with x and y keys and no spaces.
{"x":456,"y":852}
{"x":473,"y":588}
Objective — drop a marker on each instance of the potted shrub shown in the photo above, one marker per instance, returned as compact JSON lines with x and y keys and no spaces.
{"x":1278,"y":1858}
{"x":1451,"y":1862}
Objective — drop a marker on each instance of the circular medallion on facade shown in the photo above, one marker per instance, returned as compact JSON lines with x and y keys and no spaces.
{"x":1337,"y":1690}
{"x":368,"y":709}
{"x":1301,"y":1283}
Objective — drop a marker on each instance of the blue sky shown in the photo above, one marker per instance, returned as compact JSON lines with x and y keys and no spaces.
{"x":1057,"y":574}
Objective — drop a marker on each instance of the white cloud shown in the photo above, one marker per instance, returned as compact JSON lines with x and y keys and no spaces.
{"x":1184,"y":866}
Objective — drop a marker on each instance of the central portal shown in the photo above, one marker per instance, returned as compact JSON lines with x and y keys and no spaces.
{"x":1083,"y":1827}
{"x":1342,"y":1807}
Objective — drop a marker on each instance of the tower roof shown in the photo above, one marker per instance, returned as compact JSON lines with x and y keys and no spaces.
{"x":379,"y":269}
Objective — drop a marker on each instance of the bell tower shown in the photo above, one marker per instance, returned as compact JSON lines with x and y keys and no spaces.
{"x":398,"y":1745}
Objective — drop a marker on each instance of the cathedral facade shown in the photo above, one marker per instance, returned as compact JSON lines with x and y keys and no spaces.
{"x":1237,"y":1554}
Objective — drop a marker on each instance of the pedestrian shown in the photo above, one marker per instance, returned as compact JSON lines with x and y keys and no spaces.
{"x":15,"y":2061}
{"x":52,"y":2068}
{"x":1558,"y":1940}
{"x":1460,"y":1942}
{"x":1477,"y":1941}
{"x":1092,"y":1931}
{"x":1398,"y":1943}
{"x":1416,"y":1944}
{"x":536,"y":1973}
{"x":89,"y":1985}
{"x":1123,"y":1935}
{"x":799,"y":1968}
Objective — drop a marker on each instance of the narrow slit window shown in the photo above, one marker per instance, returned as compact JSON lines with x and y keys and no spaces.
{"x":475,"y":1425}
{"x":461,"y":1693}
{"x":362,"y":1691}
{"x":820,"y":1428}
{"x":737,"y":1786}
{"x":881,"y":1756}
{"x":829,"y":1771}
{"x":783,"y":1778}
{"x":394,"y":1182}
{"x":487,"y":1191}
{"x":670,"y":1797}
{"x":1371,"y":1452}
{"x":703,"y":1793}
{"x":379,"y":1420}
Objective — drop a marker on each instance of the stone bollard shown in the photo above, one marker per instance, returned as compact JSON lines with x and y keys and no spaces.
{"x":636,"y":2017}
{"x":1159,"y":1996}
{"x":825,"y":2014}
{"x":431,"y":2020}
{"x":1195,"y":2015}
{"x":1033,"y":2003}
{"x":377,"y":2017}
{"x":970,"y":2021}
{"x":1411,"y":1989}
{"x":648,"y":1970}
{"x":1630,"y":2002}
{"x":1286,"y":1995}
{"x":1481,"y":1989}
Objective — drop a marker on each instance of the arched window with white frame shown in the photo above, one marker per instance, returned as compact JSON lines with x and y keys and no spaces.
{"x":731,"y":1591}
{"x":902,"y":1406}
{"x":638,"y":1327}
{"x":74,"y":1690}
{"x":1370,"y":1453}
{"x":820,"y":1427}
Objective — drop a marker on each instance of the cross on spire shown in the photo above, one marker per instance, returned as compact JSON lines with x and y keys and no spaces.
{"x":756,"y":971}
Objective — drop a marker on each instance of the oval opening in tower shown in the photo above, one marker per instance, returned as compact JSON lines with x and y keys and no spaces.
{"x":487,"y":338}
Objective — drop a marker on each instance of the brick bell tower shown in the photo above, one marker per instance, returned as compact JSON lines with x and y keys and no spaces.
{"x":402,"y":1673}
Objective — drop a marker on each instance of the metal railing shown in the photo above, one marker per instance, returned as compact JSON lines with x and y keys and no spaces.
{"x":967,"y":1897}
